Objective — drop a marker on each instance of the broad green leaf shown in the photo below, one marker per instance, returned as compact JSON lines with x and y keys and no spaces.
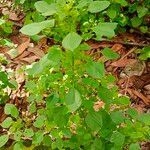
{"x":39,"y":122}
{"x":28,"y":133}
{"x":94,"y":120}
{"x":54,"y":55}
{"x":10,"y":109}
{"x":97,"y":145}
{"x":35,"y":28}
{"x":7,"y":122}
{"x":134,"y":146}
{"x":18,"y":146}
{"x":71,"y":41}
{"x":97,"y":6}
{"x":144,"y":118}
{"x":83,"y":3}
{"x":73,"y":100}
{"x":38,"y":137}
{"x":122,"y":2}
{"x":142,"y":11}
{"x":117,"y":138}
{"x":46,"y":9}
{"x":110,"y":54}
{"x":117,"y":117}
{"x":95,"y":69}
{"x":105,"y":29}
{"x":3,"y":140}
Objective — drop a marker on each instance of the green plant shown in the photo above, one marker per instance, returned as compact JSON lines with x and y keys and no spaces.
{"x":144,"y":53}
{"x":73,"y":103}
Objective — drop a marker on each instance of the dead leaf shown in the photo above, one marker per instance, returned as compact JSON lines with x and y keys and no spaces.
{"x":141,"y":96}
{"x":122,"y":62}
{"x":98,"y":105}
{"x":38,"y":52}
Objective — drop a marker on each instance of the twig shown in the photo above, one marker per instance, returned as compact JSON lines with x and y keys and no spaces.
{"x":127,"y":43}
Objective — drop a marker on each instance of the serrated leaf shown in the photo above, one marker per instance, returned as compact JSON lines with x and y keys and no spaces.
{"x":11,"y":109}
{"x":7,"y":122}
{"x":97,"y":6}
{"x":46,"y":9}
{"x":73,"y":100}
{"x":3,"y":140}
{"x":105,"y":29}
{"x":35,"y":28}
{"x":110,"y":54}
{"x":95,"y":69}
{"x":71,"y":41}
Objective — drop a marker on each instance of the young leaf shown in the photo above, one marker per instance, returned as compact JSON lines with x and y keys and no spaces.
{"x":134,"y":146}
{"x":35,"y":28}
{"x":7,"y":122}
{"x":46,"y":9}
{"x":18,"y":146}
{"x":105,"y":29}
{"x":95,"y":69}
{"x":71,"y":41}
{"x":40,"y":121}
{"x":11,"y":109}
{"x":3,"y":140}
{"x":28,"y":133}
{"x":73,"y":100}
{"x":109,"y":53}
{"x":142,"y":11}
{"x":97,"y":6}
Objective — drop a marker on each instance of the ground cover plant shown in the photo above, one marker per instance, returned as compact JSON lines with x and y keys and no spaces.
{"x":72,"y":101}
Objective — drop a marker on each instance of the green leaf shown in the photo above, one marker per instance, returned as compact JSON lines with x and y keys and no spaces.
{"x":73,"y":100}
{"x":71,"y":41}
{"x":17,"y":135}
{"x":54,"y":55}
{"x":123,"y":100}
{"x":3,"y":140}
{"x":105,"y":29}
{"x":11,"y":109}
{"x":46,"y":9}
{"x":117,"y":138}
{"x":144,"y":118}
{"x":117,"y":117}
{"x":132,"y":112}
{"x":95,"y":69}
{"x":136,"y":22}
{"x":94,"y":120}
{"x":28,"y":133}
{"x":142,"y":11}
{"x":18,"y":146}
{"x":97,"y":6}
{"x":110,"y":54}
{"x":38,"y":138}
{"x":35,"y":28}
{"x":7,"y":122}
{"x":39,"y":122}
{"x":134,"y":146}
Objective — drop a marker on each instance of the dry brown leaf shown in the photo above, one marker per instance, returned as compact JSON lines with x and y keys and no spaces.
{"x":117,"y":47}
{"x":30,"y":59}
{"x":122,"y":62}
{"x":38,"y":52}
{"x":141,"y":96}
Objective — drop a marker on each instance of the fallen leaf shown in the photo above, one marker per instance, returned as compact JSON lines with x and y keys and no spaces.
{"x":122,"y":62}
